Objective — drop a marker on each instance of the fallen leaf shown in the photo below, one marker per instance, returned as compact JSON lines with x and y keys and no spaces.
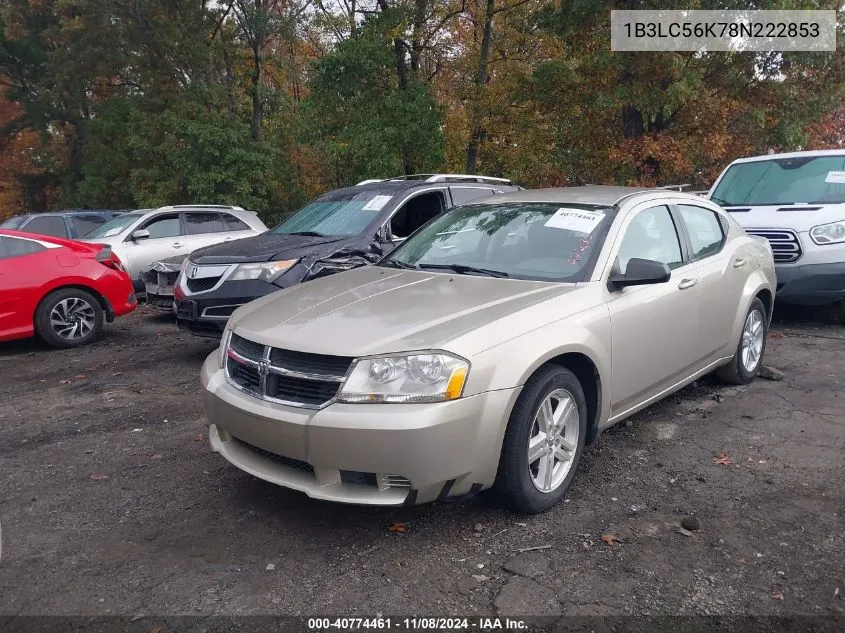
{"x":156,"y":456}
{"x":723,"y":460}
{"x":199,"y":437}
{"x":776,"y":334}
{"x":610,"y":539}
{"x":80,"y":377}
{"x":398,"y":527}
{"x":65,"y":382}
{"x":156,"y":629}
{"x":99,"y":477}
{"x":777,"y":594}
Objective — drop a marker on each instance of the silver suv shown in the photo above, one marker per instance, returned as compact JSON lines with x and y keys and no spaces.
{"x":143,"y":237}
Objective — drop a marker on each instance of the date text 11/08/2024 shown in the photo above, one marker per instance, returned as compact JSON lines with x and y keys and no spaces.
{"x":417,"y":624}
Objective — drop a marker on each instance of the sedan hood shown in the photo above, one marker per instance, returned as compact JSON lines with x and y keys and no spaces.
{"x":799,"y":217}
{"x":373,"y":310}
{"x":266,"y":247}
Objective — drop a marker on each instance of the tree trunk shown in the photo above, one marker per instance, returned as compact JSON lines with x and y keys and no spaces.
{"x":477,"y":131}
{"x":421,"y":7}
{"x":257,"y":104}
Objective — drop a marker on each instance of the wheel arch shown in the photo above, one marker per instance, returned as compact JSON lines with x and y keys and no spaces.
{"x":586,"y":370}
{"x":104,"y":304}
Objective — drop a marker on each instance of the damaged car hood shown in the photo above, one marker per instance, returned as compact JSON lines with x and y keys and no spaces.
{"x":373,"y":309}
{"x":268,"y":247}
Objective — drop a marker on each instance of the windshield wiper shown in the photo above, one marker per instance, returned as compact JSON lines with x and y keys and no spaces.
{"x":308,"y":233}
{"x":463,"y":269}
{"x":395,"y":263}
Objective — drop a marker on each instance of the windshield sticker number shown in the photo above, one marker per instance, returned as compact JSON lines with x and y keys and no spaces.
{"x":577,"y":220}
{"x":377,"y":203}
{"x":836,"y":176}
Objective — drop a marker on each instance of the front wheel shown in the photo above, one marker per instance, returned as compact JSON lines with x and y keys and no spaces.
{"x":748,"y":358}
{"x":69,"y":317}
{"x":543,"y":442}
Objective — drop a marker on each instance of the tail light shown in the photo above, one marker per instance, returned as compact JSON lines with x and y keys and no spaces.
{"x":107,"y":258}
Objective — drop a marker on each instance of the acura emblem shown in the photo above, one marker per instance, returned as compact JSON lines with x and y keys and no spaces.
{"x":194,"y":272}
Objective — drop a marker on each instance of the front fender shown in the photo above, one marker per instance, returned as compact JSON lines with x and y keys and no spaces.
{"x":511,"y":363}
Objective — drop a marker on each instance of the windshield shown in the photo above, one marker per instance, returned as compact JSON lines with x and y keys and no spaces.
{"x":540,"y":241}
{"x":114,"y":227}
{"x":811,"y":180}
{"x":337,"y":213}
{"x":13,"y":223}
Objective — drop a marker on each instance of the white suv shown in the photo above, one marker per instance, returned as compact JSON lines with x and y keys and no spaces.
{"x":797,"y":202}
{"x":143,"y":237}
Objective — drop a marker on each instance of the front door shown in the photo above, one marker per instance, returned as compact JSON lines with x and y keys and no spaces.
{"x":653,"y":327}
{"x":166,"y":239}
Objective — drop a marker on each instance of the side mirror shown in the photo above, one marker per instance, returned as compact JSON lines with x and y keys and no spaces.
{"x":141,"y":234}
{"x":640,"y":272}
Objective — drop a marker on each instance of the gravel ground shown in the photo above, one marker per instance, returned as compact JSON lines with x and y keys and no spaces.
{"x":112,"y":502}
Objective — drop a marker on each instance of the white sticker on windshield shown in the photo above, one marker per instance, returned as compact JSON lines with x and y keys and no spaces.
{"x":376,"y":204}
{"x":577,"y":220}
{"x":112,"y":232}
{"x":835,"y":176}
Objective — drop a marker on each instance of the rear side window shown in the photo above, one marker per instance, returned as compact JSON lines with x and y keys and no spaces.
{"x":234,"y":224}
{"x":199,"y":223}
{"x":164,"y":226}
{"x":47,"y":225}
{"x":14,"y":247}
{"x":463,"y":194}
{"x":84,"y":224}
{"x":705,"y":230}
{"x":13,"y":223}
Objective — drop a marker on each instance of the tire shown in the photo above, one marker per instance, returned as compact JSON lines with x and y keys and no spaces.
{"x":69,"y":317}
{"x":737,"y":372}
{"x":515,"y":480}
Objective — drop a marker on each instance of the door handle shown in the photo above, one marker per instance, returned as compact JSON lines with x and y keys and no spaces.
{"x":177,"y":244}
{"x":687,"y":283}
{"x":739,"y":262}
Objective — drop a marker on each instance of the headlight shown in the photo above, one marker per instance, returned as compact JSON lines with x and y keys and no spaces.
{"x":833,"y":233}
{"x":224,"y":344}
{"x":269,"y":271}
{"x":412,"y":378}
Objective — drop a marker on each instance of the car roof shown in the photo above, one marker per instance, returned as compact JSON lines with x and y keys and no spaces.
{"x":603,"y":195}
{"x":69,"y":212}
{"x":806,"y":154}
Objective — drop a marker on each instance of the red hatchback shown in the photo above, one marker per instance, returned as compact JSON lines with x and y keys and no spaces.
{"x":58,"y":289}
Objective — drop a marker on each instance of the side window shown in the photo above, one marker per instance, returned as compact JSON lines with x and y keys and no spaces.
{"x":13,"y":247}
{"x":163,"y":226}
{"x":464,"y":194}
{"x":705,"y":230}
{"x":651,"y":234}
{"x":234,"y":224}
{"x":47,"y":225}
{"x":416,"y":212}
{"x":84,"y":224}
{"x":200,"y":223}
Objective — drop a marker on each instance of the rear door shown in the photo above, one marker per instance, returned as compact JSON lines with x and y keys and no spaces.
{"x":205,"y":228}
{"x":465,"y":193}
{"x":47,"y":224}
{"x":721,"y":272}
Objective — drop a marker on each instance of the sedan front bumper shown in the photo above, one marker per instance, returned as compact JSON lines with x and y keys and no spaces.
{"x":373,"y":454}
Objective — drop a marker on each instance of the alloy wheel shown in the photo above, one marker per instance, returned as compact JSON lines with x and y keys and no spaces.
{"x":72,"y":319}
{"x":553,"y":440}
{"x":752,"y":341}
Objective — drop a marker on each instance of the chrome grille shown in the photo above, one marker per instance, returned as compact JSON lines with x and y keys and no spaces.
{"x":285,"y":376}
{"x":785,"y":245}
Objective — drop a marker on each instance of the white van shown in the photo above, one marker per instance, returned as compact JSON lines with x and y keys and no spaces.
{"x":797,"y":202}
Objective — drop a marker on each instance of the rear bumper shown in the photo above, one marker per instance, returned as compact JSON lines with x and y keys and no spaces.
{"x":359,"y":453}
{"x":811,"y":284}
